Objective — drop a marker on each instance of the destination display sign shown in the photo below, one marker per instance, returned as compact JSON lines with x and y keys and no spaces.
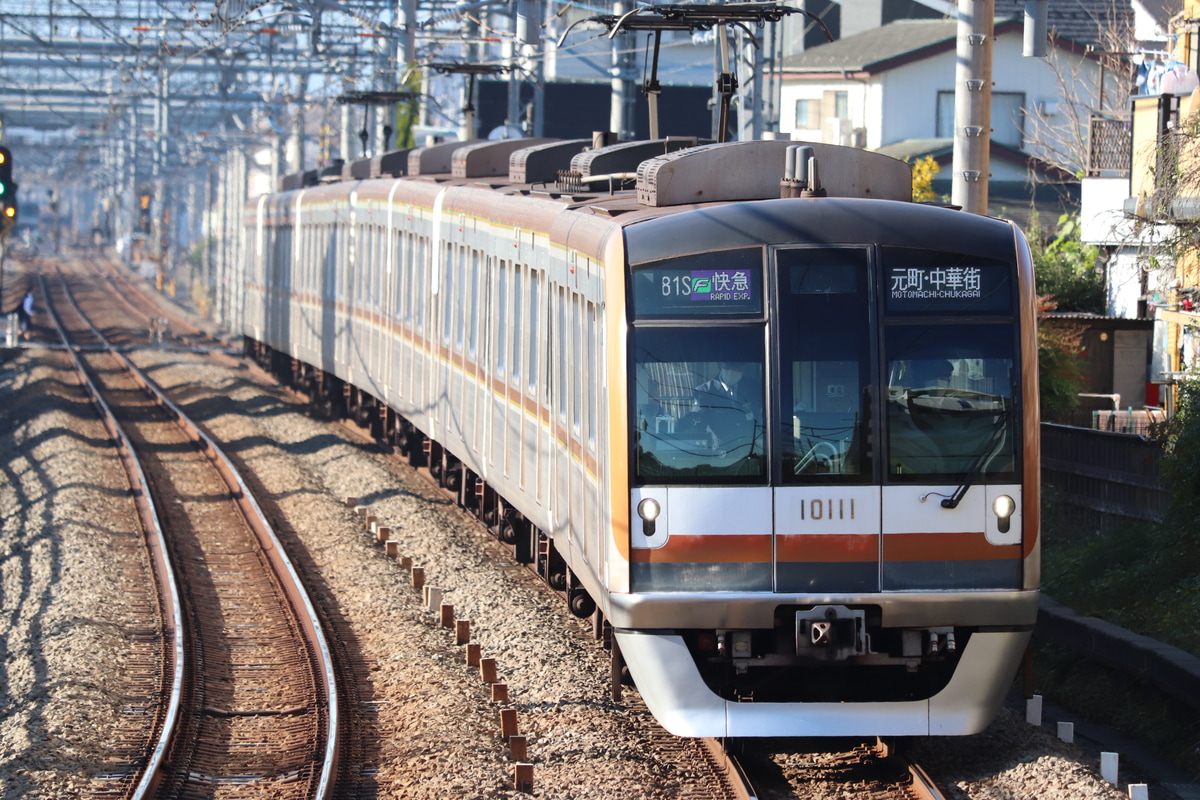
{"x":720,"y":283}
{"x":919,"y":281}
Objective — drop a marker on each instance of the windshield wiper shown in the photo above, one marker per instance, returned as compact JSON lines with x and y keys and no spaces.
{"x":976,"y":468}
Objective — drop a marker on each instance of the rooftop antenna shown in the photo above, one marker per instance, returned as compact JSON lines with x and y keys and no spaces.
{"x":692,"y":18}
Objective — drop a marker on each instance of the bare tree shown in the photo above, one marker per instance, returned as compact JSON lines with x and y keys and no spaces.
{"x":1094,"y":80}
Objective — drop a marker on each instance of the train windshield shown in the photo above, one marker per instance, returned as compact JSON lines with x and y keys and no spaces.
{"x":699,"y":397}
{"x":861,"y":365}
{"x":950,"y":385}
{"x":950,"y":402}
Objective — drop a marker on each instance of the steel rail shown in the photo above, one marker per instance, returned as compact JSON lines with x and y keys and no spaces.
{"x":737,"y":782}
{"x":156,"y":541}
{"x":272,"y":549}
{"x":922,"y":785}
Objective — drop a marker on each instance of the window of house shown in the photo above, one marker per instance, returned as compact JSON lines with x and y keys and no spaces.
{"x":1008,"y":117}
{"x":841,"y":105}
{"x":808,"y":114}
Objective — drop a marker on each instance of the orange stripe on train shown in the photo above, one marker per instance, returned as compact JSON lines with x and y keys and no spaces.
{"x":945,"y":547}
{"x":828,"y":547}
{"x":708,"y":549}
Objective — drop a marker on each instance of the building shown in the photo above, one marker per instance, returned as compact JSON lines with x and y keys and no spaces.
{"x":896,"y":83}
{"x":1141,"y":202}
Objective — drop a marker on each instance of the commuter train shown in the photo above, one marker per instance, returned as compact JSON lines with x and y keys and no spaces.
{"x":745,"y":403}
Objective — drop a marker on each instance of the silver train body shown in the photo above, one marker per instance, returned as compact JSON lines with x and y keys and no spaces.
{"x":786,"y":447}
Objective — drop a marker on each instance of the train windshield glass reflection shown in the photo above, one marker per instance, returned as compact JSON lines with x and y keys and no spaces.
{"x":699,"y":395}
{"x":722,"y":283}
{"x":951,"y":409}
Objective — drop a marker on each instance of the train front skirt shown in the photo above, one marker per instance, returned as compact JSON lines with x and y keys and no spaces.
{"x":677,"y":696}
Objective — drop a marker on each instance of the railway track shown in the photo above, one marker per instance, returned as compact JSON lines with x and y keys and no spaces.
{"x":820,"y":769}
{"x":732,"y":778}
{"x":238,"y":691}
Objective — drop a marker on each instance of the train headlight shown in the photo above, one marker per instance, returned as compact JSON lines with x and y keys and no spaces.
{"x":648,"y":510}
{"x":1004,"y":507}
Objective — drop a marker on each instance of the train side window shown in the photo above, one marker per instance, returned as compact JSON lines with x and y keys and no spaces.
{"x":460,"y":302}
{"x":501,"y":318}
{"x":420,"y":300}
{"x":408,"y":268}
{"x":403,"y":275}
{"x":592,"y":344}
{"x":447,"y":290}
{"x":473,"y":318}
{"x":577,"y":371}
{"x":822,"y":325}
{"x":518,"y":310}
{"x":562,"y":341}
{"x":534,"y":333}
{"x":383,"y":267}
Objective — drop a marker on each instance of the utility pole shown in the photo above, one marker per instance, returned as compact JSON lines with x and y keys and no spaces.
{"x":620,"y":115}
{"x":973,"y":105}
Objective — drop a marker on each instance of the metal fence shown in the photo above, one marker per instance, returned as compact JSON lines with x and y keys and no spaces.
{"x":1143,"y":422}
{"x":1104,"y":475}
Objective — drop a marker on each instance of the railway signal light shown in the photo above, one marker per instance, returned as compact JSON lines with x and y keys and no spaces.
{"x":8,"y":191}
{"x":144,"y":217}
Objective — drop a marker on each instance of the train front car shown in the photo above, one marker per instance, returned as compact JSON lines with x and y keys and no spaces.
{"x":833,"y":499}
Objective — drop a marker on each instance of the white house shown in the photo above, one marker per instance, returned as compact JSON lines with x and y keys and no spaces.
{"x":896,"y":83}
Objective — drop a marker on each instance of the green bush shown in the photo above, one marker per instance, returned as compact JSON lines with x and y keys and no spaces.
{"x":1065,"y":268}
{"x":1181,"y":466}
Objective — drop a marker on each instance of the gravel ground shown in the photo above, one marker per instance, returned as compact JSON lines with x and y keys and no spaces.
{"x":62,"y":630}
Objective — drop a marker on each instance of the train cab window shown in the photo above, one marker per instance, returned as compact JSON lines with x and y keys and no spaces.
{"x":698,"y":404}
{"x":822,"y":323}
{"x":950,"y":402}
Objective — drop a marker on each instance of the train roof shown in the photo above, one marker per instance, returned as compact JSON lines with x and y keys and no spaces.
{"x":626,"y":184}
{"x":624,"y":177}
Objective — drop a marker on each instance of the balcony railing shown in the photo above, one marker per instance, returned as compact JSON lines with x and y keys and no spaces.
{"x":1109,"y":140}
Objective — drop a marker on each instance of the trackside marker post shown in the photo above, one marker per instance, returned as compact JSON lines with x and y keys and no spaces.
{"x":1033,"y":710}
{"x":1108,"y":767}
{"x":508,"y":723}
{"x":518,"y":748}
{"x":523,"y":778}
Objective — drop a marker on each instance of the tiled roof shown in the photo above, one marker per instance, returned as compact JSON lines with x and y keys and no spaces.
{"x":863,"y":50}
{"x":1077,"y":20}
{"x":1080,"y":21}
{"x":1083,"y":21}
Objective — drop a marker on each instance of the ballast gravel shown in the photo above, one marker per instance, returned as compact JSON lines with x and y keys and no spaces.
{"x":63,"y":630}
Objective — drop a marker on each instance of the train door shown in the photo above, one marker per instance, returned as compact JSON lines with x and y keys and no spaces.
{"x":826,"y":503}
